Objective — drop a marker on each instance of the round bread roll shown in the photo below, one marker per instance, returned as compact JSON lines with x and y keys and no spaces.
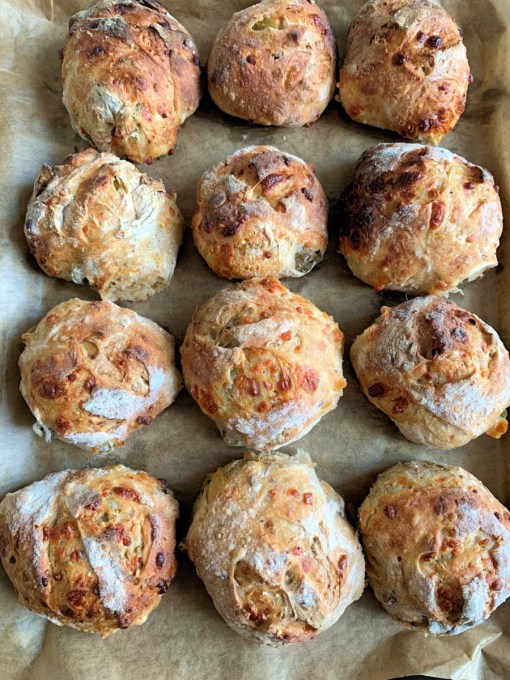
{"x":437,"y":545}
{"x":419,"y":219}
{"x":274,"y":63}
{"x":131,"y":75}
{"x":97,"y":219}
{"x":261,"y":212}
{"x":439,"y":372}
{"x":92,"y":373}
{"x":91,"y":549}
{"x":271,"y":543}
{"x":263,"y":363}
{"x":405,"y":69}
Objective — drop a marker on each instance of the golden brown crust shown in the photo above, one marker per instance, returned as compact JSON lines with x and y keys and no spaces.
{"x":91,"y":549}
{"x":419,"y":219}
{"x":437,"y":545}
{"x":263,"y":363}
{"x":439,"y":372}
{"x":131,"y":77}
{"x":97,"y":219}
{"x":92,"y":373}
{"x":271,"y":543}
{"x":406,"y":69}
{"x":260,"y":212}
{"x":274,"y":63}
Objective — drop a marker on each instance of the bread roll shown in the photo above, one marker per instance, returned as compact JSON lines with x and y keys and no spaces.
{"x":91,"y":549}
{"x":274,"y":63}
{"x":439,"y":372}
{"x":260,"y":212}
{"x":92,"y":373}
{"x":405,"y":69}
{"x":263,"y":363}
{"x":437,"y":545}
{"x":271,"y":543}
{"x":95,"y":219}
{"x":131,"y":75}
{"x":419,"y":219}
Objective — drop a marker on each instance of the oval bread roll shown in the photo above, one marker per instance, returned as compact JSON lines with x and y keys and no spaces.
{"x":263,"y":363}
{"x":271,"y":543}
{"x":131,"y":75}
{"x":261,"y":212}
{"x":437,"y":545}
{"x":274,"y":63}
{"x":419,"y":219}
{"x":439,"y":372}
{"x":405,"y":69}
{"x":91,"y":549}
{"x":96,"y":219}
{"x":92,"y":373}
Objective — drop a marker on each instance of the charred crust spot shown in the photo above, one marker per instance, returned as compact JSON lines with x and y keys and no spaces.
{"x":469,"y":186}
{"x":406,"y":179}
{"x":378,"y":389}
{"x":50,"y":389}
{"x":138,"y":353}
{"x":44,"y":581}
{"x":127,"y":494}
{"x":399,"y":59}
{"x":498,"y":516}
{"x":195,"y":60}
{"x":95,"y":590}
{"x":390,"y":511}
{"x":420,"y":35}
{"x":232,"y":229}
{"x":434,"y":42}
{"x":400,"y":405}
{"x":251,"y":59}
{"x":66,"y":611}
{"x":428,"y":556}
{"x":377,"y":185}
{"x":307,"y":194}
{"x":12,"y":559}
{"x":98,"y":51}
{"x":160,"y":560}
{"x":270,"y":181}
{"x":75,"y":596}
{"x":144,"y":420}
{"x":287,"y":160}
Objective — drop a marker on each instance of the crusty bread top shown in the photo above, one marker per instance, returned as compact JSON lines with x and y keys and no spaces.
{"x":97,"y":219}
{"x":93,"y":549}
{"x":92,"y":373}
{"x":260,"y":212}
{"x":273,"y":547}
{"x":419,"y":219}
{"x":262,"y":362}
{"x":131,"y":76}
{"x":274,"y":63}
{"x":428,"y":363}
{"x":437,"y":544}
{"x":405,"y":69}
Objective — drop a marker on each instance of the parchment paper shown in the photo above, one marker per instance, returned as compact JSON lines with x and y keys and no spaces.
{"x":185,"y":637}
